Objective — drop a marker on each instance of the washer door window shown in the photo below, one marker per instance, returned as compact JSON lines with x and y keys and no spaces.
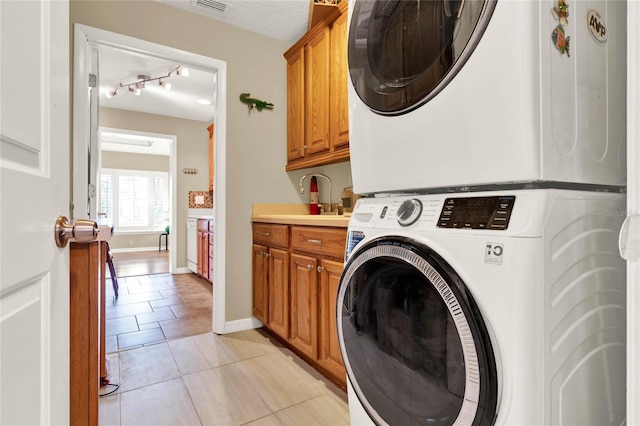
{"x":403,"y":53}
{"x":414,"y":344}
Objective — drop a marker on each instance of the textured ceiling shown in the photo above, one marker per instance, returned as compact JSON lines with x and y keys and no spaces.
{"x":280,"y":19}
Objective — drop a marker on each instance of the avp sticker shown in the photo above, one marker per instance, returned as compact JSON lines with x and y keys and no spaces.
{"x":596,"y":26}
{"x":493,"y":253}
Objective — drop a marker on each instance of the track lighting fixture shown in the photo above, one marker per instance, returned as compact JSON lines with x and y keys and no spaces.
{"x":137,"y":86}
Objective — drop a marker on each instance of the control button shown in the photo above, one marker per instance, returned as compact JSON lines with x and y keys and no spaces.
{"x":384,"y":212}
{"x":409,"y":212}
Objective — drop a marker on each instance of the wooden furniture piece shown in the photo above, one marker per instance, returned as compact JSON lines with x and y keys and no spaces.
{"x":296,"y":274}
{"x":87,"y":269}
{"x":317,"y":108}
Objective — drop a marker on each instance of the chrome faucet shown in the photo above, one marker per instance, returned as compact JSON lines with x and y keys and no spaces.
{"x":317,"y":175}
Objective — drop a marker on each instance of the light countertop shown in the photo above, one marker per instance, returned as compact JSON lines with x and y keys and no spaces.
{"x":295,"y":214}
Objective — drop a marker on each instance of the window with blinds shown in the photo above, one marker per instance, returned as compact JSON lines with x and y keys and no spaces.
{"x":135,"y":200}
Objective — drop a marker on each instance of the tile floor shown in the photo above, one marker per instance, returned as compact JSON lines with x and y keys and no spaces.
{"x":171,"y":369}
{"x":243,"y":378}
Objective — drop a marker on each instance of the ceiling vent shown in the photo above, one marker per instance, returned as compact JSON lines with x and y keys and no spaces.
{"x":211,"y":6}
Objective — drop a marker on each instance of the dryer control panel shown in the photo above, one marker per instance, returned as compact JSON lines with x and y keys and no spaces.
{"x":476,"y":212}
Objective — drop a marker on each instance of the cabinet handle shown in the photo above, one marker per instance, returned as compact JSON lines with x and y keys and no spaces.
{"x":315,"y":241}
{"x":267,"y":255}
{"x":320,"y":268}
{"x":309,"y":267}
{"x":266,"y":234}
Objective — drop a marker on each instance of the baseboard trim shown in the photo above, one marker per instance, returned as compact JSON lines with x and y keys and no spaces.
{"x":134,"y":249}
{"x":241,"y":325}
{"x":182,"y":271}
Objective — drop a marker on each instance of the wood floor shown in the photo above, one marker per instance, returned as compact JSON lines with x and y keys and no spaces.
{"x":166,"y":367}
{"x":141,"y":263}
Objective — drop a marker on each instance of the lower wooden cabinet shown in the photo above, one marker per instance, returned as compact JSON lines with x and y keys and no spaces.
{"x":205,"y":249}
{"x":304,"y":304}
{"x":279,"y":292}
{"x":329,"y":355}
{"x":295,"y":290}
{"x":260,"y":277}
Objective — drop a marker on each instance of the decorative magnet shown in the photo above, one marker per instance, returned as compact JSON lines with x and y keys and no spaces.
{"x":560,"y":41}
{"x":561,"y":12}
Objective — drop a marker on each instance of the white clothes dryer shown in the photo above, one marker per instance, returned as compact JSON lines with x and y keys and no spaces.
{"x":485,"y":308}
{"x":452,"y":93}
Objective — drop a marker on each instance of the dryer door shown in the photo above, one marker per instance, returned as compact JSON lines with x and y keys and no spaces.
{"x":403,"y":53}
{"x":412,"y":339}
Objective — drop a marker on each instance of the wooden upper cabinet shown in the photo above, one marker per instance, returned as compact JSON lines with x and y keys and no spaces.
{"x":317,"y":93}
{"x":339,"y":104}
{"x":295,"y":106}
{"x":317,"y":107}
{"x":211,"y":152}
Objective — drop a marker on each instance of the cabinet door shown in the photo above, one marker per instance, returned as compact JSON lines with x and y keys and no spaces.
{"x":200,"y":260}
{"x":260,"y":273}
{"x":317,"y":93}
{"x":295,"y":106}
{"x":339,"y":123}
{"x":329,"y":355}
{"x":304,"y":314}
{"x":279,"y":292}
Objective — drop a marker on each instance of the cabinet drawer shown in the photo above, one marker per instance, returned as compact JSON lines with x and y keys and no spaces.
{"x":323,"y":241}
{"x":271,"y":235}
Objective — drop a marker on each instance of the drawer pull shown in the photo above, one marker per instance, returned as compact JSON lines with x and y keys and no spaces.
{"x":315,"y":241}
{"x":266,"y":234}
{"x":320,"y":268}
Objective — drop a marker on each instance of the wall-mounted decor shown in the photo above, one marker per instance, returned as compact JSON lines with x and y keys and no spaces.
{"x":254,"y":103}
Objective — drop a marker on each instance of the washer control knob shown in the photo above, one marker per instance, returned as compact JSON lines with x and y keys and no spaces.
{"x":409,"y":212}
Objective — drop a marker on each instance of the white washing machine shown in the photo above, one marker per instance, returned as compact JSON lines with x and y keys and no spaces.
{"x":485,"y":308}
{"x":450,"y":93}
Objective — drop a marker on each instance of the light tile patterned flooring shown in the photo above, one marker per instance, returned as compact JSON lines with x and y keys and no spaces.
{"x":172,"y":370}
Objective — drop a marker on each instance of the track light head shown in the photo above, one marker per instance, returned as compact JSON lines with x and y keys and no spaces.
{"x":184,"y":72}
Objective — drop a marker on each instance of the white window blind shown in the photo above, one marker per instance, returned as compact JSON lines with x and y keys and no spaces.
{"x":134,"y":200}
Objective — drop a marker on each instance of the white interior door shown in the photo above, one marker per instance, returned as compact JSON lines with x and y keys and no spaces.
{"x":34,"y":184}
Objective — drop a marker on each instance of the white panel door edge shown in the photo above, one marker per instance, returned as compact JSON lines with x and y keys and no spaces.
{"x":34,"y":191}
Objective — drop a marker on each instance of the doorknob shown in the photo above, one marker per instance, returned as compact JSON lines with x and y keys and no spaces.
{"x":81,"y":230}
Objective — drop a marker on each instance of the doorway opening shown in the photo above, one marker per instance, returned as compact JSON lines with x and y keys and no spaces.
{"x":89,"y":43}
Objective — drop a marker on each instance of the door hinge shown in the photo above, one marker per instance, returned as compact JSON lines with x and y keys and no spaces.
{"x":93,"y":80}
{"x":92,"y":191}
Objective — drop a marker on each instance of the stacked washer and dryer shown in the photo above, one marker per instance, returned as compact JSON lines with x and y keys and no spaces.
{"x":482,"y":282}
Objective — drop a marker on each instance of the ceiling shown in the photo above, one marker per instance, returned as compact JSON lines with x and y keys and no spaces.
{"x":280,"y":19}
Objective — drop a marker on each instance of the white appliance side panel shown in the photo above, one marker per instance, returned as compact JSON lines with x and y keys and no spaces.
{"x":585,"y":312}
{"x":584,"y":96}
{"x":192,"y":244}
{"x":633,"y":208}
